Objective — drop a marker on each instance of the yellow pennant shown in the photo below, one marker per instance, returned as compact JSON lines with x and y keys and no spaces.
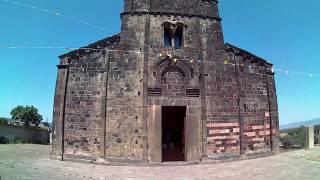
{"x":175,"y":60}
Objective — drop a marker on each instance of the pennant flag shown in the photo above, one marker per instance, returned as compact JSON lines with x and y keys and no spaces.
{"x":175,"y":60}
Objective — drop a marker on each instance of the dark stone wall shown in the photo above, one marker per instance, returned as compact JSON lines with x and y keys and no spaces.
{"x":222,"y":114}
{"x":85,"y":105}
{"x":274,"y":115}
{"x":204,"y":8}
{"x":241,"y":110}
{"x":59,"y":110}
{"x":254,"y":106}
{"x":126,"y":137}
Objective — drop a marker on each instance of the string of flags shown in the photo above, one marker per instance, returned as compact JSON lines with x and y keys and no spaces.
{"x":226,"y":62}
{"x":64,"y":47}
{"x":55,"y":13}
{"x":286,"y":72}
{"x":163,"y":54}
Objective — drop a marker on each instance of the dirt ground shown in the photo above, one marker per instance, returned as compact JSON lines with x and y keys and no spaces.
{"x":32,"y":162}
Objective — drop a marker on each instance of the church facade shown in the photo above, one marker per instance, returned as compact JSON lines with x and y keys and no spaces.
{"x":166,"y":88}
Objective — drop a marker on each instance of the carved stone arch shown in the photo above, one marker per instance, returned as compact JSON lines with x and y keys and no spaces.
{"x":186,"y":68}
{"x":172,"y":64}
{"x":173,"y":69}
{"x":160,"y":66}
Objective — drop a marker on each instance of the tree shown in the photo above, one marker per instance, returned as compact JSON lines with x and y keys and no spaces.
{"x":3,"y":121}
{"x":28,"y":115}
{"x":295,"y":138}
{"x":46,"y":124}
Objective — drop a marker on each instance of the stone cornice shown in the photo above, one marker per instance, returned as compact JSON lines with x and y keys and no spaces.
{"x":62,"y":66}
{"x":270,"y":73}
{"x":170,"y":14}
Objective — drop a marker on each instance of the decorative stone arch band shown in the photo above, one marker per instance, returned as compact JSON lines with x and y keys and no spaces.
{"x":169,"y":64}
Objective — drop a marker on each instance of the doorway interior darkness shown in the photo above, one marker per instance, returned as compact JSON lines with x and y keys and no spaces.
{"x":173,"y":138}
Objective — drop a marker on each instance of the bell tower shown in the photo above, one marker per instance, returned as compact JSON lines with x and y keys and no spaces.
{"x":179,"y":42}
{"x":205,"y":8}
{"x":191,"y":19}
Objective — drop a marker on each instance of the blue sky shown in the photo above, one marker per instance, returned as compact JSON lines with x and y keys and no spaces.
{"x":284,"y":32}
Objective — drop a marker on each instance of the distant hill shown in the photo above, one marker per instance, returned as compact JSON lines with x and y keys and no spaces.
{"x":300,"y":123}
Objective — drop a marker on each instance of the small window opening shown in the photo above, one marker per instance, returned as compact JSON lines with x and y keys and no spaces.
{"x":167,"y":37}
{"x":173,"y":35}
{"x":178,"y":37}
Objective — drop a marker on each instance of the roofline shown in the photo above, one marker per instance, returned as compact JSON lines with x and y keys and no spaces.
{"x":92,"y":46}
{"x":249,"y":53}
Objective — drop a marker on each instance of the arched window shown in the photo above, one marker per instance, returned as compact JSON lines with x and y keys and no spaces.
{"x":167,"y":37}
{"x":178,"y":35}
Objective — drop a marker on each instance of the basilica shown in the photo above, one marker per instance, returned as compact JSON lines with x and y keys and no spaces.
{"x":165,"y":88}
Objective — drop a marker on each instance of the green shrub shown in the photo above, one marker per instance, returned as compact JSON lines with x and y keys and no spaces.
{"x":4,"y":140}
{"x":3,"y":121}
{"x":294,"y":139}
{"x":17,"y":141}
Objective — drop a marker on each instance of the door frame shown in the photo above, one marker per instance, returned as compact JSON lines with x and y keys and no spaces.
{"x":192,"y":136}
{"x":184,"y":132}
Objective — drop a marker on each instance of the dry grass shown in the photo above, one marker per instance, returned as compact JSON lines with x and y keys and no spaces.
{"x":310,"y":154}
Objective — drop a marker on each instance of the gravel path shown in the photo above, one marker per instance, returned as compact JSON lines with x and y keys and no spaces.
{"x":32,"y":162}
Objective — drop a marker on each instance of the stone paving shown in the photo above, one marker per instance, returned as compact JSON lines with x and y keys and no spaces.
{"x":32,"y":162}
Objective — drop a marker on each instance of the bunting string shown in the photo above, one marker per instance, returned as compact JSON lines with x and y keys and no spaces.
{"x":56,"y":13}
{"x":77,"y":20}
{"x":162,"y":55}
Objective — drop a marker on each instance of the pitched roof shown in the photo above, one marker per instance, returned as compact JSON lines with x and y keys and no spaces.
{"x":242,"y":52}
{"x":101,"y":44}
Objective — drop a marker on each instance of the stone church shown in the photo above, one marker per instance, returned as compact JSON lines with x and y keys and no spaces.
{"x":166,"y":88}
